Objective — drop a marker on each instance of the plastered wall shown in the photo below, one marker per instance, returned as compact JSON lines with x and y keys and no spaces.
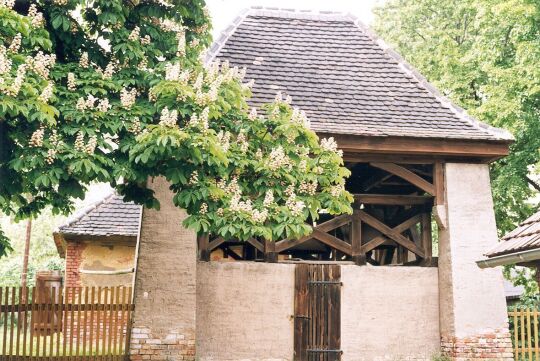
{"x":97,"y":257}
{"x":472,"y":299}
{"x":244,"y":311}
{"x":389,"y":313}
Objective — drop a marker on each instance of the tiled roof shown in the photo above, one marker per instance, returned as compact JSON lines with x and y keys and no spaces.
{"x":345,"y":78}
{"x":109,"y":217}
{"x":525,"y":237}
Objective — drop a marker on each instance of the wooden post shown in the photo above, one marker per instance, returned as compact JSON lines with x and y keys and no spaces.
{"x":270,"y":254}
{"x":204,"y":252}
{"x":426,"y":238}
{"x":356,"y":240}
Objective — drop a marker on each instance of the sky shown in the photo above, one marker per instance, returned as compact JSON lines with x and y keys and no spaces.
{"x":223,"y":13}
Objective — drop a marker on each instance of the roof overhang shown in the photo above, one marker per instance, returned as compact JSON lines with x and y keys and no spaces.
{"x":368,"y":148}
{"x":519,"y":258}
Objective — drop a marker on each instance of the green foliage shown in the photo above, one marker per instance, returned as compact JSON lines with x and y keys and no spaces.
{"x":43,"y":253}
{"x":116,"y":92}
{"x":484,"y":55}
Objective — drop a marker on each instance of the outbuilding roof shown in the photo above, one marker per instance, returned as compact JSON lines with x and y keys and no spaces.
{"x":346,"y":79}
{"x":524,"y":238}
{"x":111,"y":216}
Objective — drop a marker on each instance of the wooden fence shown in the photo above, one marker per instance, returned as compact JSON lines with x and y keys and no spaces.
{"x":73,"y":323}
{"x":524,"y":332}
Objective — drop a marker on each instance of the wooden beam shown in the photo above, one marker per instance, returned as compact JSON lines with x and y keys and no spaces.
{"x":427,"y":238}
{"x":429,"y":148}
{"x":438,"y":182}
{"x":407,"y":175}
{"x":358,"y":256}
{"x":203,"y":250}
{"x":390,"y":233}
{"x":393,"y":200}
{"x":332,"y":241}
{"x":374,"y":243}
{"x":270,"y":254}
{"x":256,"y":244}
{"x":327,"y":226}
{"x":215,"y":243}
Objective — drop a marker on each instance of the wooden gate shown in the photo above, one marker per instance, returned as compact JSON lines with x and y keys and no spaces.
{"x":317,"y":322}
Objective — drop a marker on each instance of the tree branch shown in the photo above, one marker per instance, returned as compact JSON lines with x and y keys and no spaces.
{"x":533,"y":183}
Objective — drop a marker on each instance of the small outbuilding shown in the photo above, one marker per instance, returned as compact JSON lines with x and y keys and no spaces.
{"x":99,"y":244}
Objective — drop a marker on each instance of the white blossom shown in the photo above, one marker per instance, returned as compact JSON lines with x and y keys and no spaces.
{"x":252,"y":114}
{"x":109,"y":71}
{"x":145,"y":40}
{"x":19,"y":79}
{"x":172,"y":72}
{"x":36,"y":140}
{"x":15,"y":43}
{"x":46,"y":93}
{"x":181,"y":39}
{"x":259,"y":216}
{"x":71,"y":82}
{"x":7,"y":3}
{"x":134,"y":35}
{"x":103,"y":105}
{"x":277,"y":158}
{"x":91,"y":145}
{"x":128,"y":97}
{"x":194,"y":178}
{"x":337,"y":190}
{"x":204,"y":209}
{"x":36,"y":18}
{"x":268,"y":198}
{"x":168,"y":118}
{"x":329,"y":144}
{"x":5,"y":62}
{"x":295,"y":206}
{"x":299,"y":116}
{"x":84,"y":62}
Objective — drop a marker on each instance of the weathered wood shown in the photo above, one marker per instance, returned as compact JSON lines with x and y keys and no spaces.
{"x":317,"y":312}
{"x":203,"y":247}
{"x":258,"y":245}
{"x":390,"y":233}
{"x":270,"y":254}
{"x":372,"y":244}
{"x":438,"y":182}
{"x":301,"y":318}
{"x":358,"y":256}
{"x":215,"y":243}
{"x":407,"y":175}
{"x":332,"y":241}
{"x":427,"y":239}
{"x":391,"y":147}
{"x":393,"y":200}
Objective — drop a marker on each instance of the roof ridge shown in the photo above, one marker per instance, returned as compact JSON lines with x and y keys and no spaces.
{"x":271,"y":12}
{"x":86,"y":211}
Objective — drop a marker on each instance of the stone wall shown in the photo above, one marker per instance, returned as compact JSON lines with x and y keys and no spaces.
{"x":244,"y":311}
{"x":473,"y":315}
{"x":164,"y":317}
{"x":389,"y":313}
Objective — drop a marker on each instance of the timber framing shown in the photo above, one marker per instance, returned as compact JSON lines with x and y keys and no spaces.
{"x":418,"y":150}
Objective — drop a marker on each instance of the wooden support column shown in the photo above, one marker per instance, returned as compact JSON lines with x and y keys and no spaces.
{"x":204,"y":250}
{"x":270,"y":254}
{"x":427,"y":239}
{"x":358,"y":257}
{"x":439,"y":208}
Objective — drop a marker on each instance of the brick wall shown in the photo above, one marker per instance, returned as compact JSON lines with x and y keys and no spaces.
{"x":496,"y":345}
{"x":72,"y":277}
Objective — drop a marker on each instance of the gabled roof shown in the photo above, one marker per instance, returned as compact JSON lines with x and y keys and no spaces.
{"x":525,"y":237}
{"x":108,"y":217}
{"x":346,"y":79}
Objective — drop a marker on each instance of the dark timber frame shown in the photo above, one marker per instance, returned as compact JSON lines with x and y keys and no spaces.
{"x":365,"y":236}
